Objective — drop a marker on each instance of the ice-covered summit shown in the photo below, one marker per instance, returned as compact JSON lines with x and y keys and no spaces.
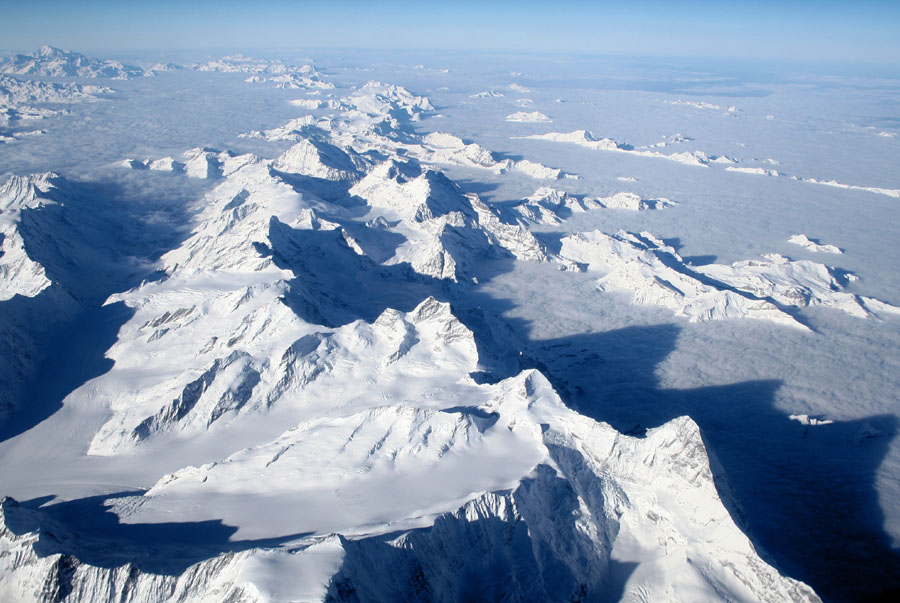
{"x":528,"y":117}
{"x":15,"y":92}
{"x":411,"y":192}
{"x":20,"y":274}
{"x":20,"y":101}
{"x":54,"y":62}
{"x":317,"y":158}
{"x":419,"y":498}
{"x":803,"y":241}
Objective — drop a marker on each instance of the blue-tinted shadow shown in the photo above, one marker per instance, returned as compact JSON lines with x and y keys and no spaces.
{"x":88,"y":530}
{"x":805,"y":495}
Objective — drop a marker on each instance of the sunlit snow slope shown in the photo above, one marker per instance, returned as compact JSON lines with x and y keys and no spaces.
{"x":304,"y":395}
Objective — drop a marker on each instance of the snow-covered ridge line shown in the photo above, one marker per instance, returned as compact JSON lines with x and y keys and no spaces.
{"x":15,"y":92}
{"x":731,"y":109}
{"x":530,"y":117}
{"x":50,"y":561}
{"x":753,"y":170}
{"x":619,"y":491}
{"x":199,"y":162}
{"x":367,"y":123}
{"x":586,"y":139}
{"x":54,"y":62}
{"x":19,"y":273}
{"x":803,"y":241}
{"x":487,"y":94}
{"x":889,"y":192}
{"x":551,"y":206}
{"x":433,"y":211}
{"x":265,"y":70}
{"x":406,"y":192}
{"x":655,"y":274}
{"x":17,"y":97}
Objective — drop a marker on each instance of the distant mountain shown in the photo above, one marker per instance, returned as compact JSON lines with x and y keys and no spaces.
{"x":48,"y":61}
{"x":18,"y":98}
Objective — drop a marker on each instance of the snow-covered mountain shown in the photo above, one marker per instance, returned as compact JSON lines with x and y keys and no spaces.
{"x":304,"y":397}
{"x":413,"y":443}
{"x":579,"y":501}
{"x":274,"y":71}
{"x":405,"y":462}
{"x":654,"y":273}
{"x":21,"y":275}
{"x":15,"y":92}
{"x":58,"y":256}
{"x":18,"y":97}
{"x":53,"y":62}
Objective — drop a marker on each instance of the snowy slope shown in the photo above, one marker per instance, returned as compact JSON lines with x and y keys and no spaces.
{"x":53,"y":62}
{"x":15,"y":91}
{"x":299,"y":399}
{"x":638,"y":264}
{"x":576,"y":500}
{"x":268,"y":70}
{"x":655,"y":274}
{"x":18,"y":98}
{"x":376,"y":120}
{"x":19,"y":273}
{"x":237,"y":335}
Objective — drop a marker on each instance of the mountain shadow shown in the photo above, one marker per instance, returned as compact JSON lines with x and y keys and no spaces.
{"x":89,"y":531}
{"x":334,"y":286}
{"x":805,"y":494}
{"x":71,"y":351}
{"x":92,"y":239}
{"x":535,"y":553}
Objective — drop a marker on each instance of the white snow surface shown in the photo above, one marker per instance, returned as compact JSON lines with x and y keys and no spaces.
{"x":19,"y":273}
{"x":54,"y":62}
{"x":329,"y":369}
{"x":389,"y":431}
{"x":635,"y":263}
{"x":586,"y":139}
{"x":753,"y":170}
{"x":367,"y":123}
{"x":529,"y":117}
{"x":803,"y":241}
{"x":15,"y":92}
{"x":654,"y":273}
{"x":18,"y":98}
{"x":283,"y":75}
{"x":794,"y":283}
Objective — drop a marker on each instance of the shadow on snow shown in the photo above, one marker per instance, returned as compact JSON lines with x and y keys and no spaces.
{"x":95,"y":240}
{"x":470,"y":557}
{"x":88,"y":530}
{"x":804,"y":494}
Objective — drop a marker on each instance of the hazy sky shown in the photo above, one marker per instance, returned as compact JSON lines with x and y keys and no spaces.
{"x":867,"y":30}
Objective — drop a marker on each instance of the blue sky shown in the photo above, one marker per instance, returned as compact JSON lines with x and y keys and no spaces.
{"x":862,"y":31}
